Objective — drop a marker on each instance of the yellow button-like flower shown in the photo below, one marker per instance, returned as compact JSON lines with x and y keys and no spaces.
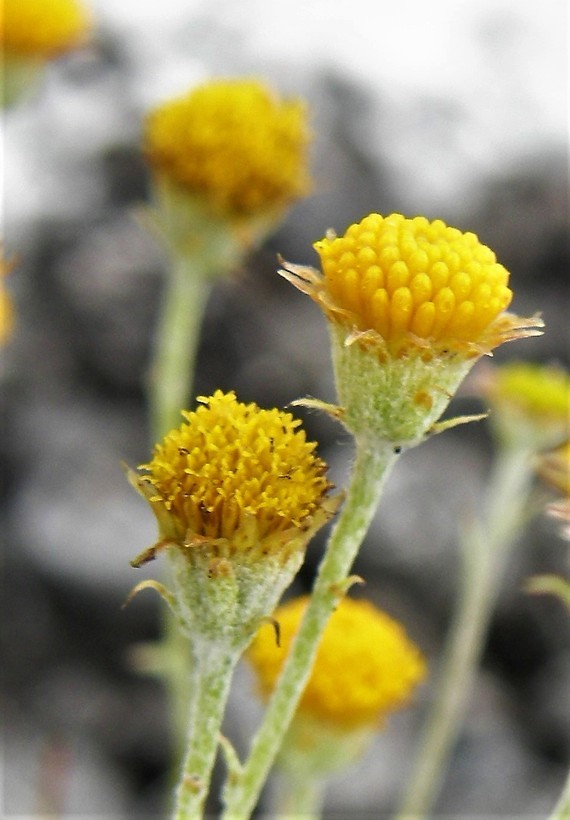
{"x":412,"y":305}
{"x":237,"y":476}
{"x":365,"y":667}
{"x":232,"y":143}
{"x":42,"y":29}
{"x":414,"y":284}
{"x":237,"y":492}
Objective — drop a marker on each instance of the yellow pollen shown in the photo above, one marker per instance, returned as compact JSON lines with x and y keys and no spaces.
{"x":401,"y":276}
{"x":366,"y":666}
{"x":233,"y":143}
{"x":230,"y":464}
{"x":42,"y":29}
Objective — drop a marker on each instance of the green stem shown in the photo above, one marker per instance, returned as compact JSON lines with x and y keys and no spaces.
{"x":179,"y":675}
{"x":562,"y":809}
{"x":370,"y":471}
{"x":485,"y":550}
{"x":176,"y":343}
{"x":170,"y":381}
{"x":214,"y":674}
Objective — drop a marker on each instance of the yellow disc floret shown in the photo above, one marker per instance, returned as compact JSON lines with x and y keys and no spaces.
{"x":234,"y":143}
{"x":366,"y":666}
{"x":235,"y":473}
{"x":413,"y":278}
{"x":42,"y":29}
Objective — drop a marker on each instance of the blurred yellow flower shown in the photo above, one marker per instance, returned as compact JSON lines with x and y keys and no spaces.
{"x":535,"y":390}
{"x":42,"y":29}
{"x":238,"y":480}
{"x":530,"y":403}
{"x":365,"y":667}
{"x":233,"y":143}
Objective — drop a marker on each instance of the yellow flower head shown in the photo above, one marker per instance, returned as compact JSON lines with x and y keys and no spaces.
{"x":412,"y":305}
{"x":414,"y":284}
{"x":530,"y":403}
{"x":365,"y":667}
{"x":233,"y":143}
{"x":42,"y":29}
{"x":242,"y":480}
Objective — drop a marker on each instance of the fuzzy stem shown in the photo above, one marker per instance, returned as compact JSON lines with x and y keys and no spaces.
{"x":176,"y":342}
{"x":485,"y":550}
{"x":370,"y":471}
{"x":171,"y":376}
{"x":213,"y":678}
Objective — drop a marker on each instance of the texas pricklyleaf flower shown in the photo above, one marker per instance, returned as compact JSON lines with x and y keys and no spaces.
{"x":41,"y":29}
{"x":412,"y":305}
{"x":229,"y":157}
{"x":237,"y":492}
{"x":35,"y":31}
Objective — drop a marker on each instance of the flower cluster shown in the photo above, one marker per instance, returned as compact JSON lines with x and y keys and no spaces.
{"x":414,"y":284}
{"x":412,"y":305}
{"x":237,"y":492}
{"x":234,"y":144}
{"x":240,"y":478}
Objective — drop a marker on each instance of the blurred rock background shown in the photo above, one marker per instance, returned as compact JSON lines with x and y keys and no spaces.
{"x":450,"y":109}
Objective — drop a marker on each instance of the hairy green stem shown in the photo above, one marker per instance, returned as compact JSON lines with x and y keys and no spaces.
{"x":485,"y":550}
{"x":215,"y":666}
{"x":369,"y":473}
{"x":176,"y":343}
{"x":170,"y":381}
